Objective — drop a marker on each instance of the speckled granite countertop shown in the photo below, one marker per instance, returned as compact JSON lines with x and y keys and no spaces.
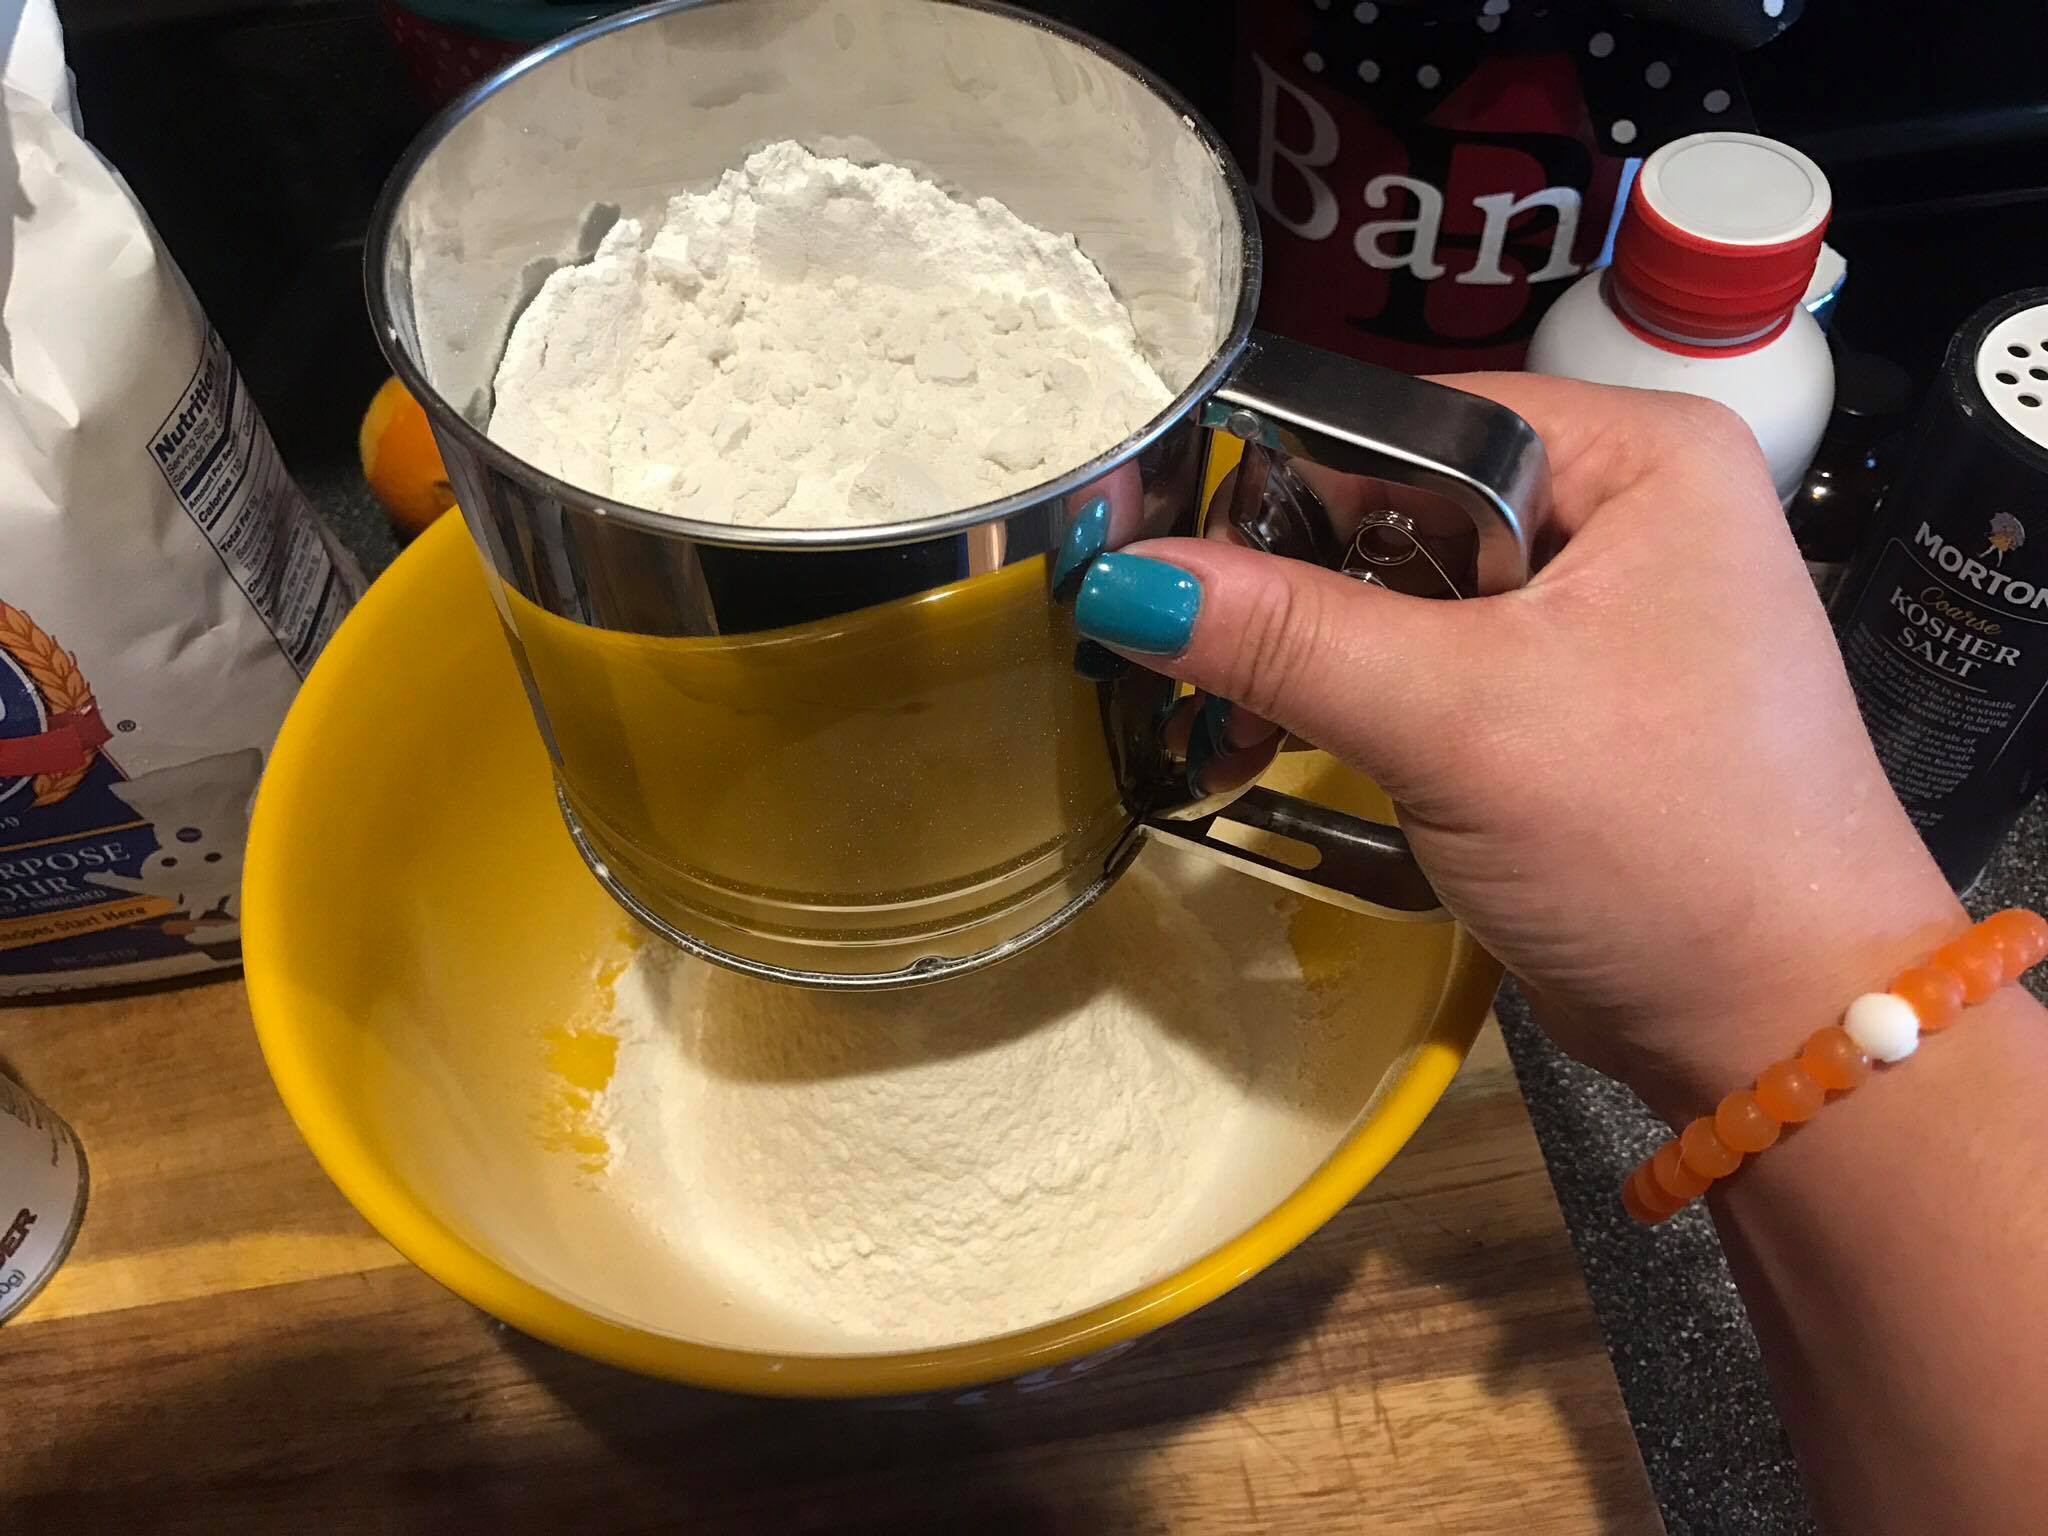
{"x":1682,"y":1346}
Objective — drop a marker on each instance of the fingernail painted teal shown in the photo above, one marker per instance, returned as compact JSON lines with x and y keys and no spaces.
{"x":1137,"y":604}
{"x":1086,"y":538}
{"x":1098,"y":663}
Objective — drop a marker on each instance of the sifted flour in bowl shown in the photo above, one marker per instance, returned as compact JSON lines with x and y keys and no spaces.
{"x":951,"y":1162}
{"x":814,"y":343}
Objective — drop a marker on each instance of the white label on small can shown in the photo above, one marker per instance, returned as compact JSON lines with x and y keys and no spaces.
{"x":42,"y":1195}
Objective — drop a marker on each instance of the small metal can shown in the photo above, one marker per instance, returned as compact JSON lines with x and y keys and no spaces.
{"x":42,"y":1195}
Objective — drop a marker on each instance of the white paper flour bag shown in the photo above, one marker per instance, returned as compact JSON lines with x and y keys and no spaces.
{"x":164,"y":585}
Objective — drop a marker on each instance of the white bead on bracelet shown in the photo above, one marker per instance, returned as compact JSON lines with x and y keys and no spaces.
{"x":1883,"y":1025}
{"x":1878,"y":1026}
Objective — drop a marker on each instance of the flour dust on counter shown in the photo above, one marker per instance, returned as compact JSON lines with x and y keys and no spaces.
{"x":928,"y":1166}
{"x":814,"y":343}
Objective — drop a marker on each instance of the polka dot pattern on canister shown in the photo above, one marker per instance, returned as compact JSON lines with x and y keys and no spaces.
{"x":1650,"y":73}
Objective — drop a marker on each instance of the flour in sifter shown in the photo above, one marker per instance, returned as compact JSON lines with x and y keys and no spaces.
{"x":815,"y":343}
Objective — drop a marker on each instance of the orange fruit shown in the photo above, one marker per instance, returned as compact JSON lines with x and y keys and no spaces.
{"x":401,"y":461}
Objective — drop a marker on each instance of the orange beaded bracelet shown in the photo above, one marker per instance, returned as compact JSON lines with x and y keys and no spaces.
{"x":1879,"y":1026}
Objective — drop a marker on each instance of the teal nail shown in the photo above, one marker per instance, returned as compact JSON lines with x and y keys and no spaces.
{"x":1086,"y":538}
{"x":1137,"y":604}
{"x":1098,"y":663}
{"x":1207,"y":740}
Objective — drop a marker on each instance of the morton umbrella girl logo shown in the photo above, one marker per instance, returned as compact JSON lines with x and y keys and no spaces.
{"x":2008,"y":533}
{"x":50,"y":726}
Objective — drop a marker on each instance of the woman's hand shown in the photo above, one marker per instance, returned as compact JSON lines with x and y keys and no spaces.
{"x":1641,"y":781}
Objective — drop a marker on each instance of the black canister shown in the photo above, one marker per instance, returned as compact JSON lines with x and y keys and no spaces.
{"x":1944,"y":619}
{"x":1835,"y":508}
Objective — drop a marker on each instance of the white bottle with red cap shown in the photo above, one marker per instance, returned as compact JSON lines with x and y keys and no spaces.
{"x":1712,"y":258}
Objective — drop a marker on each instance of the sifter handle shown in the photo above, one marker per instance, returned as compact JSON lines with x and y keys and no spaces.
{"x":1471,"y":454}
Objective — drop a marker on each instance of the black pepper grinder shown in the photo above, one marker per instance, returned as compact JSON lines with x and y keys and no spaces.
{"x":1835,"y":506}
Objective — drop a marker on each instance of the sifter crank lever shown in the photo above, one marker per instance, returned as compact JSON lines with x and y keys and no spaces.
{"x":1466,"y":486}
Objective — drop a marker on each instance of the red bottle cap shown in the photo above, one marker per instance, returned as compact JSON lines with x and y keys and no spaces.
{"x":1719,"y":240}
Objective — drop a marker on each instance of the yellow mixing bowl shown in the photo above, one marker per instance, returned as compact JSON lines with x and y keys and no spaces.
{"x":423,"y":947}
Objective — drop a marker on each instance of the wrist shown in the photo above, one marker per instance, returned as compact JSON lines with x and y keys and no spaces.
{"x":1766,"y":995}
{"x":1978,"y":966}
{"x":1994,"y":1051}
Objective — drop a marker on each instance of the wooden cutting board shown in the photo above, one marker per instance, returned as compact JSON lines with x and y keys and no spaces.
{"x":230,"y":1348}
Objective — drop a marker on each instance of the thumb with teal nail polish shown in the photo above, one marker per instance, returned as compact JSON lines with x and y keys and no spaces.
{"x":1293,"y":644}
{"x":1140,"y":605}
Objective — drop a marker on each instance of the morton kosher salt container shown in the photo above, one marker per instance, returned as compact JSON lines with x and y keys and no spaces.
{"x":1944,"y":621}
